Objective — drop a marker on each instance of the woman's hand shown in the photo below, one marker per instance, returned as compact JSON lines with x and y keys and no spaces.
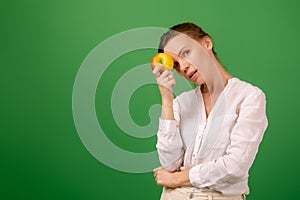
{"x":164,"y":177}
{"x":171,"y":179}
{"x":166,"y":81}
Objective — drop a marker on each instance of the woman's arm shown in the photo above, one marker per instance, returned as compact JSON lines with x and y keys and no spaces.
{"x":169,"y":143}
{"x":172,"y":179}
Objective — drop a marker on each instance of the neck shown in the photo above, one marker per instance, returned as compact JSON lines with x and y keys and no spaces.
{"x":225,"y":76}
{"x":204,"y":88}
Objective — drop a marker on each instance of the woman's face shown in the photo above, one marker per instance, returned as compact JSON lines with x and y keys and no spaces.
{"x":188,"y":53}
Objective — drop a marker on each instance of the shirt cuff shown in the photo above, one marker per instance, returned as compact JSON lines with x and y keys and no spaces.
{"x":194,"y":176}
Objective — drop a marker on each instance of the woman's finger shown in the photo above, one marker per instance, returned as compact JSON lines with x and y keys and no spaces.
{"x":157,"y":168}
{"x":164,"y":75}
{"x":156,"y":70}
{"x":172,"y":82}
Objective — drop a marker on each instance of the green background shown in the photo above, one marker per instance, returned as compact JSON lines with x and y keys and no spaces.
{"x":43,"y":44}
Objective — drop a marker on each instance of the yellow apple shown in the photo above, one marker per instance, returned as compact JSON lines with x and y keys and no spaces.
{"x":162,"y":58}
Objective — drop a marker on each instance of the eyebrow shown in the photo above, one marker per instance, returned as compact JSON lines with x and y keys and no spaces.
{"x":180,"y":52}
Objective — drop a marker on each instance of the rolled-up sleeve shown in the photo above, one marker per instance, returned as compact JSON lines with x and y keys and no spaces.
{"x":245,"y":137}
{"x":169,"y":142}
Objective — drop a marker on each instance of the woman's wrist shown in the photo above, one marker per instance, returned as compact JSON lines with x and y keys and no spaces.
{"x":182,"y":178}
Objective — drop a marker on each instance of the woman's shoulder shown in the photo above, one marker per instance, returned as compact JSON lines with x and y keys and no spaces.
{"x":238,"y":87}
{"x":243,"y":86}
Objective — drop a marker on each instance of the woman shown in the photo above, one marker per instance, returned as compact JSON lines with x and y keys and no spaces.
{"x":208,"y":137}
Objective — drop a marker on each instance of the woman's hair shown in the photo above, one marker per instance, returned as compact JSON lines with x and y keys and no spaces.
{"x":187,"y":28}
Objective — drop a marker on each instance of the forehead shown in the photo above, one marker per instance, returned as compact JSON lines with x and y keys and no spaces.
{"x":178,"y":42}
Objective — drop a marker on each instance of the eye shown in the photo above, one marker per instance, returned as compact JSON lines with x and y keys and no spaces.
{"x":186,"y":53}
{"x":176,"y":64}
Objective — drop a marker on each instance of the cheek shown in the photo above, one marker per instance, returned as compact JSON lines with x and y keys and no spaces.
{"x":195,"y":59}
{"x":179,"y":72}
{"x":197,"y":56}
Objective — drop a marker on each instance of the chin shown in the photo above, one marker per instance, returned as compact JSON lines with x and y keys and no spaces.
{"x":199,"y":82}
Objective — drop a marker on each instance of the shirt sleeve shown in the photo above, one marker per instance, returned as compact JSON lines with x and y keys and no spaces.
{"x":245,"y":138}
{"x":169,"y":142}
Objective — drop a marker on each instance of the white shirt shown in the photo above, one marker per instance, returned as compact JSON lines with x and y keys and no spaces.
{"x":219,"y":149}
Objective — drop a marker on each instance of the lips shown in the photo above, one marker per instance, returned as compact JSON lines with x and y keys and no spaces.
{"x":191,"y":75}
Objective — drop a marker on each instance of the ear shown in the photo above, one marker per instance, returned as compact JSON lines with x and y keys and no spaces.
{"x":207,"y":43}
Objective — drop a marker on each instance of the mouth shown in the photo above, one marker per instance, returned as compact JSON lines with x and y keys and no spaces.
{"x":191,"y":76}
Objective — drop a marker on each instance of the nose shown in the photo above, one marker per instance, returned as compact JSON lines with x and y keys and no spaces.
{"x":183,"y":65}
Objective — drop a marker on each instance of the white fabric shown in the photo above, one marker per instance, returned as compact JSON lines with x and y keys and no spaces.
{"x":186,"y":193}
{"x":220,"y":149}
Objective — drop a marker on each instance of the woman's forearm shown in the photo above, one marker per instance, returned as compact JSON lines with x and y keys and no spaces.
{"x":182,"y":178}
{"x":167,"y":112}
{"x":172,"y":179}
